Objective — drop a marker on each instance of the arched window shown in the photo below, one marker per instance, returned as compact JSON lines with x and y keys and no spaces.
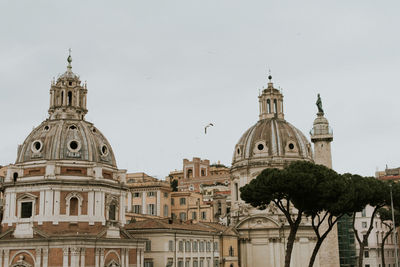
{"x":275,"y":106}
{"x":69,"y":98}
{"x":268,"y":106}
{"x":73,"y":203}
{"x":73,"y":206}
{"x":62,"y":98}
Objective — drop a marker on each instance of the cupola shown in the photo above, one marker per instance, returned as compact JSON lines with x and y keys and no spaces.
{"x":271,"y":102}
{"x":68,"y":96}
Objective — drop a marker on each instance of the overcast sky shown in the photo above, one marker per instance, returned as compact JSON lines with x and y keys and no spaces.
{"x":159,"y":71}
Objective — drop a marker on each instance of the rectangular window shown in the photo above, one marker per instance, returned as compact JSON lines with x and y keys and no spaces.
{"x":137,"y":209}
{"x":194,"y":246}
{"x":172,"y":201}
{"x":201,"y":263}
{"x":170,"y":245}
{"x":194,"y":215}
{"x":151,"y":194}
{"x":136,"y":194}
{"x":366,"y":254}
{"x":236,"y":192}
{"x":215,"y":246}
{"x":208,"y":246}
{"x":216,"y":263}
{"x":26,"y":209}
{"x":187,"y":263}
{"x":165,"y":194}
{"x":204,"y":215}
{"x":180,"y":246}
{"x":364,"y":224}
{"x":148,"y":245}
{"x":148,"y":263}
{"x":201,"y":247}
{"x":182,"y":201}
{"x":151,"y":209}
{"x":187,"y":246}
{"x":182,"y":216}
{"x":195,"y":263}
{"x":165,"y":210}
{"x":180,"y":263}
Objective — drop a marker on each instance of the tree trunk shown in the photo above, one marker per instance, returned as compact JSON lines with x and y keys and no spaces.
{"x":290,"y":242}
{"x":315,"y":252}
{"x":383,"y":246}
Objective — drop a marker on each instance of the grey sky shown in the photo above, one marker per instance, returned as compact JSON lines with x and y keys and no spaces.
{"x":159,"y":71}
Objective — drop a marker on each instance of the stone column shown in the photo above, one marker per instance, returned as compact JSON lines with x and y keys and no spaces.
{"x":127,"y":257}
{"x":137,"y":257}
{"x":96,"y":257}
{"x":122,"y":256}
{"x":141,"y":258}
{"x":1,"y":258}
{"x":102,"y":257}
{"x":129,"y":208}
{"x":83,"y":255}
{"x":144,"y":208}
{"x":6,"y":257}
{"x":38,"y":257}
{"x":45,"y":257}
{"x":75,"y":256}
{"x":158,"y":200}
{"x":65,"y":258}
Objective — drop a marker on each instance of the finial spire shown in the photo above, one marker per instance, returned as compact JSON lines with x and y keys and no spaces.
{"x":69,"y":59}
{"x":269,"y":76}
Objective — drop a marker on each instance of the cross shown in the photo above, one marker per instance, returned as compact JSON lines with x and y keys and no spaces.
{"x":70,"y":50}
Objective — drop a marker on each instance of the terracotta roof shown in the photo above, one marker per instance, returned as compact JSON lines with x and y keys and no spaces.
{"x":391,"y":177}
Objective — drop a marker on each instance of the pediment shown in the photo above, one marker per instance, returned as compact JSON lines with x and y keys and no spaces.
{"x":257,"y":222}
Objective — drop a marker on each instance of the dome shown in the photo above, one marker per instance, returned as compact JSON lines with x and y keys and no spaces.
{"x":272,"y":139}
{"x":76,"y":140}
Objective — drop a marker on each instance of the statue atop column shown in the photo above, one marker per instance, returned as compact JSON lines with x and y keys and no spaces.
{"x":319,"y":105}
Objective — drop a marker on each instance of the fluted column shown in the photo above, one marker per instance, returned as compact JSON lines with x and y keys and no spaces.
{"x":65,"y":257}
{"x":96,"y":257}
{"x":6,"y":257}
{"x":45,"y":257}
{"x":38,"y":257}
{"x":127,"y":257}
{"x":102,"y":257}
{"x":83,"y":255}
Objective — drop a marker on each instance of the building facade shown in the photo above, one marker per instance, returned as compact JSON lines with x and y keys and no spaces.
{"x":185,"y":244}
{"x":65,"y":196}
{"x":147,"y":197}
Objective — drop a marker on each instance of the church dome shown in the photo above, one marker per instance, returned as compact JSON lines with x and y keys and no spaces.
{"x":66,"y":135}
{"x":272,"y":141}
{"x":62,"y":139}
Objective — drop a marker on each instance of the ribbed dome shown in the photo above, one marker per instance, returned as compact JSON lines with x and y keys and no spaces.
{"x":66,"y":140}
{"x":272,"y":139}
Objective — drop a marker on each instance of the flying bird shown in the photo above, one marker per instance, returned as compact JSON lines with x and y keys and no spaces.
{"x":208,"y":125}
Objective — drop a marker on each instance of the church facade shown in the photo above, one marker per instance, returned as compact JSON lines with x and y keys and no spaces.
{"x":273,"y":143}
{"x":65,"y":196}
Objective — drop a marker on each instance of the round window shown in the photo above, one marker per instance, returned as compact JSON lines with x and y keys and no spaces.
{"x":260,"y":147}
{"x":46,"y":128}
{"x":104,"y":150}
{"x":74,"y":146}
{"x":72,"y":127}
{"x":36,"y":146}
{"x":291,"y":146}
